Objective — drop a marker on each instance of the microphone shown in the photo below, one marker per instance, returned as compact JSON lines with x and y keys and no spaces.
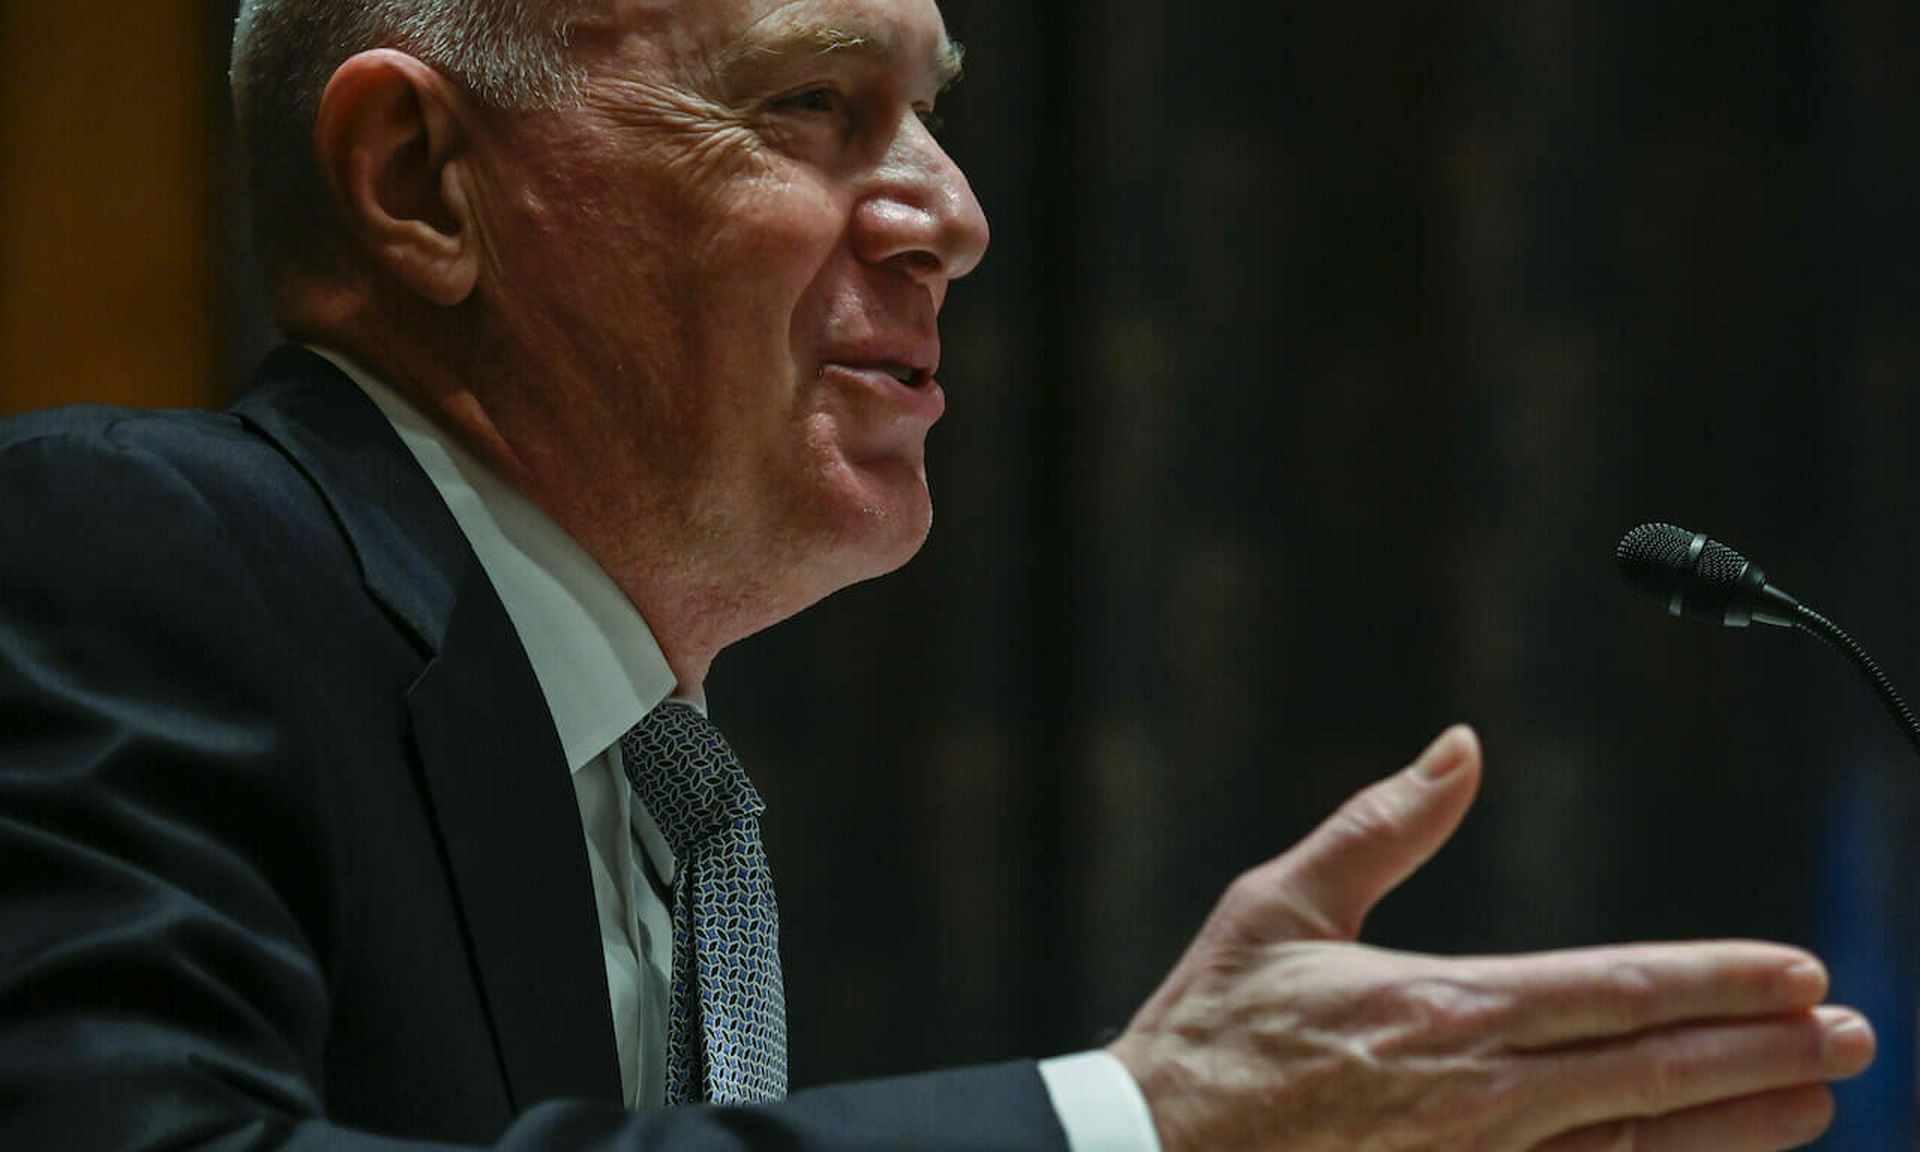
{"x":1703,"y":578}
{"x":1694,"y":575}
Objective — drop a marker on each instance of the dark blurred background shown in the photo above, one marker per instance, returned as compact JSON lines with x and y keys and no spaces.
{"x":1324,"y":353}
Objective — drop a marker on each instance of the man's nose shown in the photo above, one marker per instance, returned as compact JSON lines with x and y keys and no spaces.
{"x":921,"y":215}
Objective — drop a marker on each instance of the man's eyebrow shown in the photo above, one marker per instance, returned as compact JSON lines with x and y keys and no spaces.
{"x":756,"y":57}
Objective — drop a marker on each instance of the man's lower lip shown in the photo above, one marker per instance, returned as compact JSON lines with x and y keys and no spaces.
{"x":923,"y":392}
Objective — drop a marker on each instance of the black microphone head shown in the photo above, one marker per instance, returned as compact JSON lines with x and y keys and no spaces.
{"x":1655,"y":559}
{"x":1690,"y":573}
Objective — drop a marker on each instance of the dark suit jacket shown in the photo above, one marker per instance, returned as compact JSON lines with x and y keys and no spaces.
{"x":289,"y":856}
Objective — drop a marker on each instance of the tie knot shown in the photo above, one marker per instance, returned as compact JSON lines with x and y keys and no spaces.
{"x":687,"y":776}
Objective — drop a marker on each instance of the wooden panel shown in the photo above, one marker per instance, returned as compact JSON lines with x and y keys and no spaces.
{"x":105,"y":286}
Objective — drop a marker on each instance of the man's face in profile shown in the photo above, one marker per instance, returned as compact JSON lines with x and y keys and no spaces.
{"x":728,"y":265}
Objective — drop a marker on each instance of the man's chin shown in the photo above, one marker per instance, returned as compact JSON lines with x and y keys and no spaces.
{"x":856,"y":522}
{"x":852,"y":562}
{"x":885,"y":533}
{"x":896,"y":536}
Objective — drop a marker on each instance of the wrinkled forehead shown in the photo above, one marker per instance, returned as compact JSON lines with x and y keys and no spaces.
{"x":709,"y":36}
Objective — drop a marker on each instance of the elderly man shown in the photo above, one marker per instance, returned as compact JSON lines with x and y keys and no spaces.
{"x":355,"y":788}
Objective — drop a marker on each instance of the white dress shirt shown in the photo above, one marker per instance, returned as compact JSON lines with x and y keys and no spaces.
{"x":601,"y":671}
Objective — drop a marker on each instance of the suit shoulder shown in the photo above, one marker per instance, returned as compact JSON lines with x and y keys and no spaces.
{"x":154,"y":435}
{"x":158,"y":489}
{"x":130,"y":459}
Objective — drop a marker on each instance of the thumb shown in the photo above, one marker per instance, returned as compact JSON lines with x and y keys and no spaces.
{"x":1330,"y":881}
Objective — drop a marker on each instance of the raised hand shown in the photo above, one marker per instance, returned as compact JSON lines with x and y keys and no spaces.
{"x":1277,"y":1031}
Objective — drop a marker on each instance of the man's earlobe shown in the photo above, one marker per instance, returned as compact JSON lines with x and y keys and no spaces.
{"x":392,"y":148}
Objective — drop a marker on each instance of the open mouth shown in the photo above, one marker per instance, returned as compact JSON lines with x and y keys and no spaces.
{"x":910,"y":376}
{"x":906,"y":374}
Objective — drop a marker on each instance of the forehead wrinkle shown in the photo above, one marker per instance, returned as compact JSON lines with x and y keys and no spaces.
{"x":758,"y":50}
{"x":767,"y":48}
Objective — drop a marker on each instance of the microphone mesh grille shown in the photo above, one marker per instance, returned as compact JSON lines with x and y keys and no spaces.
{"x":1653,"y":558}
{"x":1720,"y":566}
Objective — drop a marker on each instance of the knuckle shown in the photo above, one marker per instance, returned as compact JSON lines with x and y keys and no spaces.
{"x":1246,"y":899}
{"x":1248,"y":888}
{"x":1480,"y":1103}
{"x":1633,"y":996}
{"x":1267,"y":898}
{"x":1661,"y":1075}
{"x":1370,"y":816}
{"x":1442,"y":1006}
{"x":1472,"y":1103}
{"x":1308,"y":918}
{"x":1815,"y":1047}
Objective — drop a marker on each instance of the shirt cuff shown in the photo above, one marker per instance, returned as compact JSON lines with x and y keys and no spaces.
{"x":1099,"y":1105}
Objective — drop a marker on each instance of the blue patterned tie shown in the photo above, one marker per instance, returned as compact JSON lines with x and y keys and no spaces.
{"x":727,"y":1036}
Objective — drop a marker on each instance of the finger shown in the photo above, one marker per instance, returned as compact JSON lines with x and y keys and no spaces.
{"x":1325,"y":886}
{"x":1685,"y":1068}
{"x":1764,"y":1123}
{"x":1566,"y":997}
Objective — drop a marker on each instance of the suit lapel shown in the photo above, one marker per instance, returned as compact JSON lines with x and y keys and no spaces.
{"x":490,"y":760}
{"x":478,"y":728}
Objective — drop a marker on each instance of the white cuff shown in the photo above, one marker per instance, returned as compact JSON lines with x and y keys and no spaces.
{"x":1098,"y":1103}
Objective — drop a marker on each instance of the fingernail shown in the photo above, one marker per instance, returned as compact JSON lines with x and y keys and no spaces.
{"x":1849,"y":1040}
{"x":1444,"y":757}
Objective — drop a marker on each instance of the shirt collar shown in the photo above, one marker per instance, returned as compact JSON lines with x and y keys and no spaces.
{"x":597,"y":662}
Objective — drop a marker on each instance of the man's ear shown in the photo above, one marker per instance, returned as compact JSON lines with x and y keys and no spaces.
{"x":394,"y":152}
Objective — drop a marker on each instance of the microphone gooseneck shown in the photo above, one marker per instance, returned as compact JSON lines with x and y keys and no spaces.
{"x":1693,"y":575}
{"x":1814,"y":624}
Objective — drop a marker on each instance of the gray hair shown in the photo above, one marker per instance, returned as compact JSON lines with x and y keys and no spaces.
{"x":509,"y":54}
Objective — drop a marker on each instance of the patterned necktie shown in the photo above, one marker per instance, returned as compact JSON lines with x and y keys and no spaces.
{"x":727,"y":1036}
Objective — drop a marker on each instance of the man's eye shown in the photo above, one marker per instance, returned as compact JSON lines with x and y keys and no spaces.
{"x":812,"y":100}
